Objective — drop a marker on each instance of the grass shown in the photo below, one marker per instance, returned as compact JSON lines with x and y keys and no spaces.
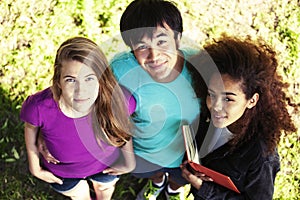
{"x":31,"y":31}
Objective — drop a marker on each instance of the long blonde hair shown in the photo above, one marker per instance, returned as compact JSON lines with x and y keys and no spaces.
{"x":110,"y":116}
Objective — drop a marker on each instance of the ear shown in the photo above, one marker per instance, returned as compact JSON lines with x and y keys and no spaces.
{"x":57,"y":85}
{"x":177,"y":40}
{"x":131,"y":45}
{"x":253,"y":101}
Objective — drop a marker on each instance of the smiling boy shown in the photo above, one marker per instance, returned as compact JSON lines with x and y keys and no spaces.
{"x":155,"y":72}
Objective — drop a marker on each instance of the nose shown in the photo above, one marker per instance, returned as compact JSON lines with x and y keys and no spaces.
{"x":154,"y":54}
{"x":80,"y":87}
{"x":217,"y":104}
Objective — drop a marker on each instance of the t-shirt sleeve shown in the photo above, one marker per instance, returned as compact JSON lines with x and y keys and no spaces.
{"x":116,"y":64}
{"x":130,"y":100}
{"x":29,"y":111}
{"x":123,"y":63}
{"x":120,"y":65}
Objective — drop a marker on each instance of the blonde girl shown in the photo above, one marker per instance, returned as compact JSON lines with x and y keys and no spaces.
{"x":84,"y":120}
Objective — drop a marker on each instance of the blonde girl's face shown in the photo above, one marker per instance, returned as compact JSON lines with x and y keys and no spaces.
{"x":226,"y":100}
{"x":80,"y":88}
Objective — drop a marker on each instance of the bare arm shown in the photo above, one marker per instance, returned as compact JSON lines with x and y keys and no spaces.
{"x":127,"y":162}
{"x":33,"y":156}
{"x":44,"y":150}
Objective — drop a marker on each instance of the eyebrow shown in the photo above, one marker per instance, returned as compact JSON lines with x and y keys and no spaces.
{"x":229,"y":93}
{"x":159,"y":35}
{"x":223,"y":93}
{"x":70,"y":76}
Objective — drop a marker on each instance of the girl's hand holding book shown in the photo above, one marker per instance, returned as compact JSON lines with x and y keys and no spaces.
{"x":194,"y":177}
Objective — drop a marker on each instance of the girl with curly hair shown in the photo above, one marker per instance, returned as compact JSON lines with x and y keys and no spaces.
{"x":243,"y":115}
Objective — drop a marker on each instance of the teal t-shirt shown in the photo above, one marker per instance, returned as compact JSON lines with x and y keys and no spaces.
{"x":161,"y":109}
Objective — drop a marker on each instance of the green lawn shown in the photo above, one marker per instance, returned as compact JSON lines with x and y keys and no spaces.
{"x":31,"y":31}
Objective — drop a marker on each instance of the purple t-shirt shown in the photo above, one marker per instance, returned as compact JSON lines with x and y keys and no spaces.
{"x":70,"y":140}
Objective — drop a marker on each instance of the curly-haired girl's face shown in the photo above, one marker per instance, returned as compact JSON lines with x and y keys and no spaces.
{"x":226,"y":100}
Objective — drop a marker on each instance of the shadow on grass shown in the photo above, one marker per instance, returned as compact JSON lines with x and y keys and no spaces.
{"x":15,"y":181}
{"x":128,"y":187}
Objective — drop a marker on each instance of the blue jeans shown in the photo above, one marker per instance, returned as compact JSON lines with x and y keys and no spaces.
{"x":146,"y":169}
{"x":69,"y":183}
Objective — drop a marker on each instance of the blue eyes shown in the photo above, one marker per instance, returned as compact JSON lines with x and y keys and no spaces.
{"x":73,"y":80}
{"x":70,"y":80}
{"x":90,"y":79}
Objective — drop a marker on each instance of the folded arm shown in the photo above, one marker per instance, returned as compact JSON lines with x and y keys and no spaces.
{"x":126,"y":163}
{"x":33,"y":156}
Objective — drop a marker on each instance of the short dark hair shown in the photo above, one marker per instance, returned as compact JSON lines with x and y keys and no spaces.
{"x":148,"y":14}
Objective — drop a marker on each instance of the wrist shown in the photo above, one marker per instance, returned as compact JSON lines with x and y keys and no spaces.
{"x":34,"y":169}
{"x":198,"y":184}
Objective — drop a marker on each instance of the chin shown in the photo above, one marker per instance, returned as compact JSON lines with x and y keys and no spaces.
{"x":219,"y":125}
{"x":82,"y":109}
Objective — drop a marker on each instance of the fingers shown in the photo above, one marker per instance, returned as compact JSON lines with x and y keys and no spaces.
{"x":184,"y":169}
{"x":48,"y":177}
{"x":106,"y":171}
{"x":51,"y":159}
{"x":42,"y":148}
{"x":194,"y":180}
{"x":47,"y":155}
{"x":206,"y":178}
{"x":203,"y":177}
{"x":57,"y":180}
{"x":53,"y":179}
{"x":188,"y":175}
{"x":112,"y":171}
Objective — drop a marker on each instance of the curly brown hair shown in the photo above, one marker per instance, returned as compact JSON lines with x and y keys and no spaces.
{"x":254,"y":63}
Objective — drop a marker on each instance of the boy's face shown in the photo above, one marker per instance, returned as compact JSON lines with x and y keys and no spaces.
{"x":158,"y":55}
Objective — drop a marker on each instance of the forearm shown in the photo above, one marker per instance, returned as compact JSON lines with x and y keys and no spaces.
{"x":126,"y":162}
{"x":33,"y":156}
{"x":33,"y":161}
{"x":128,"y":155}
{"x":32,"y":150}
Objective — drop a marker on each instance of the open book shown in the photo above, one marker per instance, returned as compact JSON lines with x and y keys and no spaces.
{"x":193,"y":159}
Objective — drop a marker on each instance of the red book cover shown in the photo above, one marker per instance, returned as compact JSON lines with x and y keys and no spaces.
{"x":193,"y":159}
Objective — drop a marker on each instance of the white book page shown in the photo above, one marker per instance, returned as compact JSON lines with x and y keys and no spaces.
{"x":190,"y":144}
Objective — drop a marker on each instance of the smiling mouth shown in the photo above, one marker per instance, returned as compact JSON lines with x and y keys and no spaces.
{"x":155,"y":65}
{"x":219,"y":117}
{"x":80,"y":100}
